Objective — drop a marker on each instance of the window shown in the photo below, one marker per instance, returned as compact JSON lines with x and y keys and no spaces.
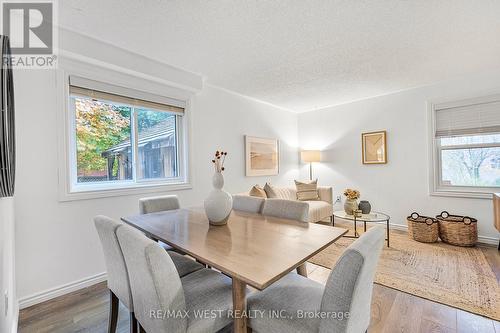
{"x":466,"y":141}
{"x":123,"y":138}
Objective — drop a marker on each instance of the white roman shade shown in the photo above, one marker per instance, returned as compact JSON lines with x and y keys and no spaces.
{"x":475,"y":117}
{"x":79,"y":86}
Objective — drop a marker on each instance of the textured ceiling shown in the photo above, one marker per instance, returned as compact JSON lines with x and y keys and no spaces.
{"x":302,"y":55}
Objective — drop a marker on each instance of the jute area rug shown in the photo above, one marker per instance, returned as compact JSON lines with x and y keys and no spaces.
{"x":456,"y":276}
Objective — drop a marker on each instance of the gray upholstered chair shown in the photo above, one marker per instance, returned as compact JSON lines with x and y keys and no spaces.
{"x":247,"y":203}
{"x":288,"y":209}
{"x":118,"y":281}
{"x":158,"y":292}
{"x":345,"y":301}
{"x":158,"y":204}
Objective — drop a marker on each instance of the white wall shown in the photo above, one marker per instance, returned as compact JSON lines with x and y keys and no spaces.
{"x":56,"y":241}
{"x":401,"y":186}
{"x":8,"y":319}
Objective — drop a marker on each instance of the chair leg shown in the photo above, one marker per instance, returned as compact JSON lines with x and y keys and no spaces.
{"x":113,"y":312}
{"x":133,"y":323}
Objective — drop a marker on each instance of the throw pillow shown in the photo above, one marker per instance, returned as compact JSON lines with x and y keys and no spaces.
{"x":307,"y":191}
{"x":270,"y":191}
{"x":276,"y":192}
{"x":257,"y":191}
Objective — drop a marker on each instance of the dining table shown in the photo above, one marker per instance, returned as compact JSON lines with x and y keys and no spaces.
{"x":252,"y":249}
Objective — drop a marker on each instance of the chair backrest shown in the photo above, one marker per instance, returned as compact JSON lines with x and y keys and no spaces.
{"x":118,"y":281}
{"x":247,"y":203}
{"x":350,"y":284}
{"x":156,"y":286}
{"x":158,"y":204}
{"x":288,"y":209}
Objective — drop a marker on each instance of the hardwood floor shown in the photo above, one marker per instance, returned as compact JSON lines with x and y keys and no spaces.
{"x":392,"y":311}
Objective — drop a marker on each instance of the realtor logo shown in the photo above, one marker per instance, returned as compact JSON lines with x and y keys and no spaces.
{"x":31,"y":29}
{"x":29,"y":26}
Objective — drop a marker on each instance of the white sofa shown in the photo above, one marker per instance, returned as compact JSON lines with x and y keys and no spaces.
{"x":319,"y":210}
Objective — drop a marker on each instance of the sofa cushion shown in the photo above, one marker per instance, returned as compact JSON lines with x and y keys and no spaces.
{"x":307,"y":191}
{"x":280,"y":192}
{"x":257,"y":191}
{"x":319,"y":210}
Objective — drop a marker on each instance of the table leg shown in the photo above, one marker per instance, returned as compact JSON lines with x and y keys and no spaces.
{"x":355,"y":227}
{"x":387,"y":232}
{"x":302,"y":270}
{"x":239,"y":306}
{"x":364,"y":226}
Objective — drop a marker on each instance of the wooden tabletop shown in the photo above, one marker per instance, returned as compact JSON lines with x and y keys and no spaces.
{"x":253,"y":248}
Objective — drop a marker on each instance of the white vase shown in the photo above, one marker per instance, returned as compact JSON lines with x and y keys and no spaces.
{"x":219,"y":203}
{"x":350,"y":205}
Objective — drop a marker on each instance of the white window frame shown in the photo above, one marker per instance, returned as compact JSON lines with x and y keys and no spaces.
{"x":68,"y":188}
{"x":436,"y":187}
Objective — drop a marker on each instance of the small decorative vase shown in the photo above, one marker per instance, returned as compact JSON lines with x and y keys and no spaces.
{"x":219,"y":203}
{"x":365,"y":206}
{"x":350,"y":205}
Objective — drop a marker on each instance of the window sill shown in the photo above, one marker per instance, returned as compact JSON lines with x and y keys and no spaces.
{"x":129,"y":189}
{"x":462,"y":194}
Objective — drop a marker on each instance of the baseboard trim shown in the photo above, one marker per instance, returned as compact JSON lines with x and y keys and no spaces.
{"x":481,"y":239}
{"x":49,"y":294}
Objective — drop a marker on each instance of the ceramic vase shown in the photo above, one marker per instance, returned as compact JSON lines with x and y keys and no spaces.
{"x":350,"y":205}
{"x":365,"y":206}
{"x":219,"y":203}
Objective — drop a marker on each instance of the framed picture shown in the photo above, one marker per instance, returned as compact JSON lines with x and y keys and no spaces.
{"x":261,"y":156}
{"x":374,"y":147}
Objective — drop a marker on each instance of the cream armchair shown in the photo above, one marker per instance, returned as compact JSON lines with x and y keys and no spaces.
{"x":319,"y":210}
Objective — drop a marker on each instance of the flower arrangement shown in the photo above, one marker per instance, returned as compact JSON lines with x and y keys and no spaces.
{"x":218,"y":161}
{"x":351,"y":194}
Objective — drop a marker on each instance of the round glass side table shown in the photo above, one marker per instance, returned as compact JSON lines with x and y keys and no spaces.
{"x":373,"y":217}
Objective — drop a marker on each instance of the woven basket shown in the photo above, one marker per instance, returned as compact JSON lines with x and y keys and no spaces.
{"x":457,"y":230}
{"x":422,"y":228}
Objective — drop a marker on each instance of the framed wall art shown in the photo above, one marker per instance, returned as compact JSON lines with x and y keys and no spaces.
{"x":374,"y":147}
{"x":261,"y":156}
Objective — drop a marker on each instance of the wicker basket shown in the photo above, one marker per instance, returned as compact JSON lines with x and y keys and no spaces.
{"x":457,"y":230}
{"x":422,"y":228}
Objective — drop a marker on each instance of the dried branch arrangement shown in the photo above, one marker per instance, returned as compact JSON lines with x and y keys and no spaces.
{"x":220,"y":158}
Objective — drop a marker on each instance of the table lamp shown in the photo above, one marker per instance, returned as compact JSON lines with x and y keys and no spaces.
{"x":310,"y":156}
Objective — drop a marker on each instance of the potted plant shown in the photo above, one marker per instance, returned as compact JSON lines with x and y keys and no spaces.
{"x":351,"y":203}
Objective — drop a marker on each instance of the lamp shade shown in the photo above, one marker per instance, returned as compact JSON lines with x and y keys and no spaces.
{"x":310,"y":156}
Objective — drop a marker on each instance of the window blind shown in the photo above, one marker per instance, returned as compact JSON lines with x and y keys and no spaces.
{"x":471,"y":119}
{"x":103,"y":91}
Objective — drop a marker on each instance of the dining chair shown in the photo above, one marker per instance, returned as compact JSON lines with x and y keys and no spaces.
{"x":161,"y":297}
{"x":117,"y":276}
{"x":247,"y":203}
{"x":158,"y":204}
{"x":344,"y":302}
{"x":287,"y":209}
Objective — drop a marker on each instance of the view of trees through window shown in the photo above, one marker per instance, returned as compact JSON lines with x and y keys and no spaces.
{"x":471,"y":160}
{"x":104,"y":145}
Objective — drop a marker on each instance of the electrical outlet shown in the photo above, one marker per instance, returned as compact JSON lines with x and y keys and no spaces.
{"x":6,"y":300}
{"x":339,"y":199}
